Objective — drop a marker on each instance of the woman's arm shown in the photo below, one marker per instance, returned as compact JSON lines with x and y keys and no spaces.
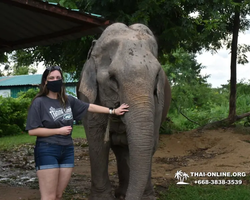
{"x":101,"y":109}
{"x":44,"y":132}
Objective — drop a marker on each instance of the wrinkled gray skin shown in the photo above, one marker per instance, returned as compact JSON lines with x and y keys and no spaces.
{"x":122,"y":67}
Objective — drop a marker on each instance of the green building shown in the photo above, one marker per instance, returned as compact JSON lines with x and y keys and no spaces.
{"x":11,"y":85}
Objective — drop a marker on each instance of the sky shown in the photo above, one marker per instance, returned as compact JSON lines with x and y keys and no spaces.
{"x":218,"y":65}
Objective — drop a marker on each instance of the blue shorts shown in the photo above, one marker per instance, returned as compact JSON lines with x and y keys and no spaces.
{"x":49,"y":156}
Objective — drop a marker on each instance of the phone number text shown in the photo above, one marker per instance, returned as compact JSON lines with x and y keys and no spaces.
{"x":218,"y":182}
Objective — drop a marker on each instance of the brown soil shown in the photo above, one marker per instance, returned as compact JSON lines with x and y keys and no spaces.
{"x":210,"y":151}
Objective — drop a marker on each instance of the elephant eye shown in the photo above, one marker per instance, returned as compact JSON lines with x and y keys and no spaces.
{"x":114,"y":83}
{"x":155,"y":87}
{"x":155,"y":91}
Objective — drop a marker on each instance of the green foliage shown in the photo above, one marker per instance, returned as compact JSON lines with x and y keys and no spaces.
{"x":189,"y":89}
{"x":70,"y":55}
{"x":194,"y":108}
{"x":13,"y":113}
{"x":23,"y":70}
{"x":1,"y":73}
{"x":18,"y":68}
{"x":194,"y":102}
{"x":172,"y":23}
{"x":182,"y":68}
{"x":177,"y":30}
{"x":3,"y":58}
{"x":30,"y":94}
{"x":206,"y":192}
{"x":9,"y":142}
{"x":169,"y":20}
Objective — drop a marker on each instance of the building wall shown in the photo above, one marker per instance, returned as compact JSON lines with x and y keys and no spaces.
{"x":12,"y":91}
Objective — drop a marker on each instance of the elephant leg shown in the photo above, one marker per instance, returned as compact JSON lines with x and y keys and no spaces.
{"x":99,"y":153}
{"x":149,"y":193}
{"x":122,"y":157}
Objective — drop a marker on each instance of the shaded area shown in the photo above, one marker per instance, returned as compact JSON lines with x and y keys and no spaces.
{"x":27,"y":23}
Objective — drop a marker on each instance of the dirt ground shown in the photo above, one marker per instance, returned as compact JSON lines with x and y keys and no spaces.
{"x":223,"y":150}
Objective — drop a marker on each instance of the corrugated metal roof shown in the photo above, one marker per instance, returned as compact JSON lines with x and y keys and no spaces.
{"x":34,"y":79}
{"x":27,"y":23}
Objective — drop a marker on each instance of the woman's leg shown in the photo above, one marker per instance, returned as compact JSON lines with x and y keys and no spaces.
{"x":48,"y":183}
{"x":54,"y":164}
{"x":63,"y":180}
{"x":66,"y":167}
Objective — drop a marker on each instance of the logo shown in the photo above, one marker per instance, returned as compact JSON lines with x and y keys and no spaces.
{"x":181,"y":176}
{"x":67,"y":117}
{"x":58,"y":113}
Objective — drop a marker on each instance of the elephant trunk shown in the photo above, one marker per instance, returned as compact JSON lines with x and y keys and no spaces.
{"x":140,"y":135}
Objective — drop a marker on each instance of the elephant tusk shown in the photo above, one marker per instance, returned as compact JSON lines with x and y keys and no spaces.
{"x":106,"y":136}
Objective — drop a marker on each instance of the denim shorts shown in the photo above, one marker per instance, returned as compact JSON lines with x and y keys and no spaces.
{"x":49,"y":156}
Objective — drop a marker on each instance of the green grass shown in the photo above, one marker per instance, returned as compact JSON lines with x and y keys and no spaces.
{"x":207,"y":192}
{"x":9,"y":142}
{"x":78,"y":131}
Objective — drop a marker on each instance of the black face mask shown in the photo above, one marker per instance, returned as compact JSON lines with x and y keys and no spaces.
{"x":54,"y":86}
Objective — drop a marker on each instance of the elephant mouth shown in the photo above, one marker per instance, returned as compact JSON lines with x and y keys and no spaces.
{"x":117,"y":131}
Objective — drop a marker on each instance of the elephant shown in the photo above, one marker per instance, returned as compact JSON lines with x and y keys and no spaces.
{"x":122,"y":67}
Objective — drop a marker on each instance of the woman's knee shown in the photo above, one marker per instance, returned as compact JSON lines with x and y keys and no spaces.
{"x":58,"y":196}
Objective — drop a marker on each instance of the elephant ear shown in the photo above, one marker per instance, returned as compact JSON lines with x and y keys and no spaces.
{"x":87,"y":86}
{"x":91,"y":48}
{"x":163,"y":93}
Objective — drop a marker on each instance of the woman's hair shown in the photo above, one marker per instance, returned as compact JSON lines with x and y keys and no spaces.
{"x":44,"y":90}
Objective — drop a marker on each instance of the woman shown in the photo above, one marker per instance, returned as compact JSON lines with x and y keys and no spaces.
{"x":50,"y":118}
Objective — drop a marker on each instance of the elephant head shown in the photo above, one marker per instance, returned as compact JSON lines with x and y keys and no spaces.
{"x":122,"y":67}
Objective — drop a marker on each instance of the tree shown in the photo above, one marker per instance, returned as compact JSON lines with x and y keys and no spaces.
{"x":70,"y":55}
{"x":182,"y":68}
{"x":233,"y":18}
{"x":174,"y":27}
{"x":172,"y":23}
{"x":169,"y":20}
{"x":241,"y":8}
{"x":19,"y":70}
{"x":3,"y":58}
{"x":23,"y":70}
{"x":189,"y":88}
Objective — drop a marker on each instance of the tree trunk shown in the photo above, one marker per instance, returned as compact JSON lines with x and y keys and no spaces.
{"x":232,"y":101}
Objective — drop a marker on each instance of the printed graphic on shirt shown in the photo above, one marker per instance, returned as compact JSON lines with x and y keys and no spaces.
{"x":60,"y":113}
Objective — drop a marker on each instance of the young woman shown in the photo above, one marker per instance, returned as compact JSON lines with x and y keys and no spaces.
{"x":50,"y":118}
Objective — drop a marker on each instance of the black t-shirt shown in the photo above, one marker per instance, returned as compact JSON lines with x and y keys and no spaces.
{"x":48,"y":113}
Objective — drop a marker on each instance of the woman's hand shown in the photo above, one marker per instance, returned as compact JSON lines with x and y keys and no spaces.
{"x":65,"y":130}
{"x":45,"y":132}
{"x":101,"y":109}
{"x":122,"y":109}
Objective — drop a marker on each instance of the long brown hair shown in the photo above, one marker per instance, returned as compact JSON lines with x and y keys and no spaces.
{"x":62,"y":97}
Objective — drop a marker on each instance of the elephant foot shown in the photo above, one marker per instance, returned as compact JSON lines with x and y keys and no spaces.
{"x":121,"y":197}
{"x":149,"y":195}
{"x":120,"y":194}
{"x":101,"y":197}
{"x":148,"y":198}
